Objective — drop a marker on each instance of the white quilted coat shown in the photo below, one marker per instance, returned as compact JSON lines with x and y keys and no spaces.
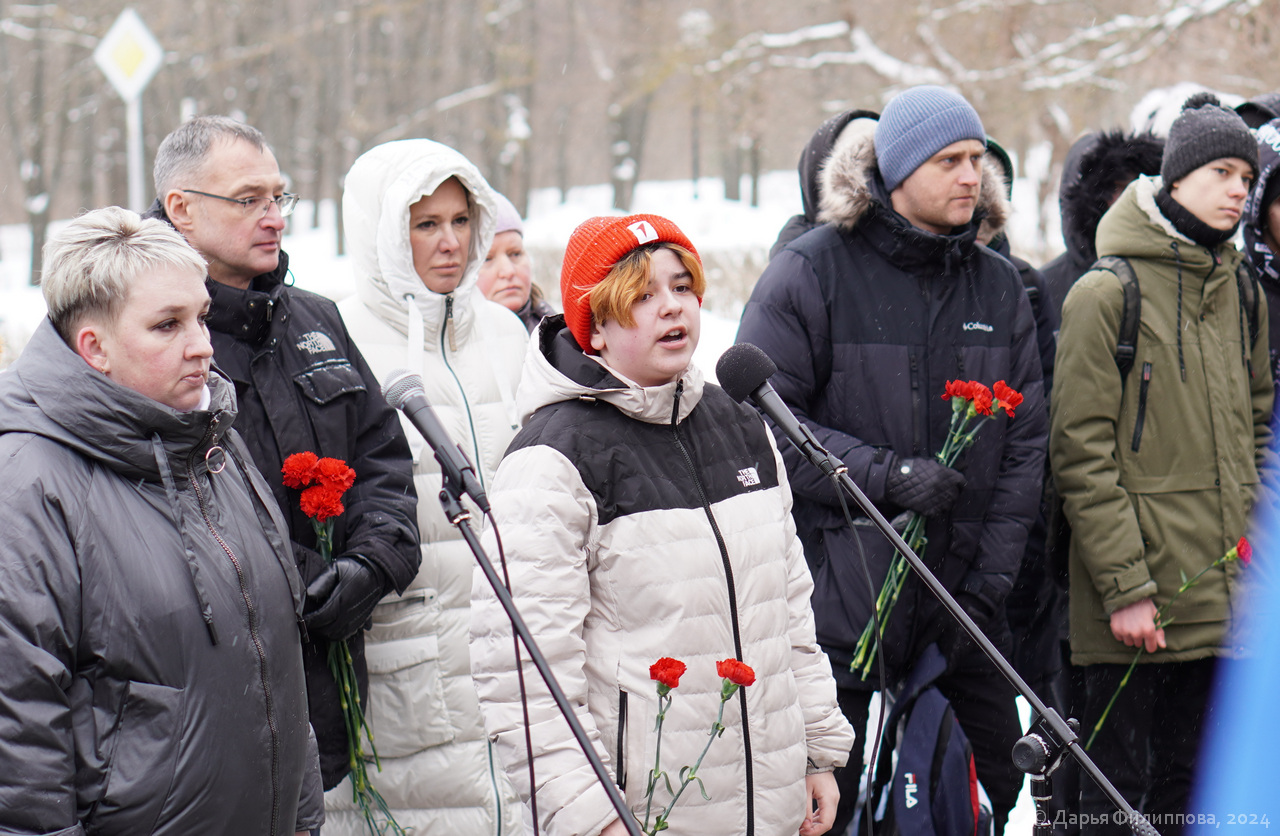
{"x":606,"y":599}
{"x":438,"y":772}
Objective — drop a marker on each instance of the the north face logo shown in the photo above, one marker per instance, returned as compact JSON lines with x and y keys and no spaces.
{"x":315,"y":342}
{"x":644,"y":232}
{"x":748,"y":477}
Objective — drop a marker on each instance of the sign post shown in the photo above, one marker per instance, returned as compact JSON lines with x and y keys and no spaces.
{"x":129,"y":56}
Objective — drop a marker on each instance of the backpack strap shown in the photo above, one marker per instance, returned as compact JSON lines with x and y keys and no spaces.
{"x":1247,"y":282}
{"x":1131,"y":315}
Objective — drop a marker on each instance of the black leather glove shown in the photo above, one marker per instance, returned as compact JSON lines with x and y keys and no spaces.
{"x":923,"y":485}
{"x":342,"y":597}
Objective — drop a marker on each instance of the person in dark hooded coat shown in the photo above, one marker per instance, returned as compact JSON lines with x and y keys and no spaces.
{"x":151,"y":620}
{"x":1261,"y":227}
{"x":1097,"y":169}
{"x":1260,"y":110}
{"x":812,"y":159}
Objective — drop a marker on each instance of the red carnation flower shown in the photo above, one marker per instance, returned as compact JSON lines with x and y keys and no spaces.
{"x":737,"y":672}
{"x":1245,"y":551}
{"x":1010,"y":399}
{"x":321,"y":503}
{"x":334,"y":473}
{"x":981,"y":398}
{"x":956,"y":389}
{"x":299,"y":469}
{"x":667,"y":671}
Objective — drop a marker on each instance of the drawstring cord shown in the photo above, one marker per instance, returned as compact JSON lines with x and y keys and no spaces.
{"x":171,"y":492}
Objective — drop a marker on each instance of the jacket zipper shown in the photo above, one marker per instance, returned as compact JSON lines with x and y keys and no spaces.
{"x":915,"y":405}
{"x":622,"y":740}
{"x":1142,"y":406}
{"x":733,"y":603}
{"x":253,"y":634}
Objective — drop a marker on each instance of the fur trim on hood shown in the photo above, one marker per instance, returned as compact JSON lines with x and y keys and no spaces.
{"x":1112,"y":157}
{"x":851,"y":184}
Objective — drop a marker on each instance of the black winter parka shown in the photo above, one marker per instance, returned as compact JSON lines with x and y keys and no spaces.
{"x":867,"y":318}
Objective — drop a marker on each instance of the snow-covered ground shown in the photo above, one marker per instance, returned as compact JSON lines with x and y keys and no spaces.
{"x":712,"y":223}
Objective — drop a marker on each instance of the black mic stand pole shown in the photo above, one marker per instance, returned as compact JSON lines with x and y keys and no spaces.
{"x":1039,"y":752}
{"x":458,"y":516}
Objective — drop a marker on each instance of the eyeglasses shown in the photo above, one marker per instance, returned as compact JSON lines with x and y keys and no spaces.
{"x":256,"y":206}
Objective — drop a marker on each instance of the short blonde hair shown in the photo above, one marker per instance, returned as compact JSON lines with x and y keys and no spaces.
{"x":613,"y":296}
{"x":92,"y":262}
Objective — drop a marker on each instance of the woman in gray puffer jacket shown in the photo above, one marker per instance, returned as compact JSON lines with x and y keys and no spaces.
{"x":152,"y":678}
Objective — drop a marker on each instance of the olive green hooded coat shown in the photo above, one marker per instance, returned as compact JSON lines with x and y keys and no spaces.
{"x":1158,"y":474}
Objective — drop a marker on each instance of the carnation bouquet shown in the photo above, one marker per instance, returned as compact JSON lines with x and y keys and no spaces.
{"x":323,"y":481}
{"x":970,"y":401}
{"x":734,"y":674}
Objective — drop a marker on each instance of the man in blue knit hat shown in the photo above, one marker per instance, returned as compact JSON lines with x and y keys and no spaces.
{"x":867,"y":317}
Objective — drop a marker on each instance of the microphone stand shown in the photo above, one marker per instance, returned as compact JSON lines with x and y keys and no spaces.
{"x":451,"y":500}
{"x":1039,"y":752}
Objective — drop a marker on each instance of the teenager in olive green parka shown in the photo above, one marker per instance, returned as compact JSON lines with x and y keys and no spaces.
{"x":1158,"y":472}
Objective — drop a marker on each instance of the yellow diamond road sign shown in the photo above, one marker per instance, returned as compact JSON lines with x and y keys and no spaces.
{"x":129,"y":55}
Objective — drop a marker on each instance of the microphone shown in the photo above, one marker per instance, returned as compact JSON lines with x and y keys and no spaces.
{"x":403,"y":390}
{"x":744,"y":371}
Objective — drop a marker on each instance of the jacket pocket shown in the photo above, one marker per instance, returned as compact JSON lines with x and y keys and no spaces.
{"x":328,"y":380}
{"x":406,"y":695}
{"x":143,"y":755}
{"x":1143,"y":385}
{"x":621,"y":751}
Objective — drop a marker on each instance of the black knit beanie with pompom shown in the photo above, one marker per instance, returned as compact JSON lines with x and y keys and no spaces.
{"x":1205,"y":131}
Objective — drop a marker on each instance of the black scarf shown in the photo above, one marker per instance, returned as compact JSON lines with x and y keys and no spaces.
{"x":1186,"y":222}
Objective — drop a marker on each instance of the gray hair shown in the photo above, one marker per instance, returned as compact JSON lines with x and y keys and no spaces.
{"x":182,"y":153}
{"x":90,"y":264}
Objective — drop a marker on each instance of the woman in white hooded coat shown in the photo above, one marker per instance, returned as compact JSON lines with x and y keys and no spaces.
{"x":419,"y":220}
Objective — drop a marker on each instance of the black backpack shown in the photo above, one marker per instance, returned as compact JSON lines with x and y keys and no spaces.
{"x":926,"y":783}
{"x":1131,"y":315}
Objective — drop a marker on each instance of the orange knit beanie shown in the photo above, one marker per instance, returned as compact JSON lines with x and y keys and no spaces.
{"x":593,"y":249}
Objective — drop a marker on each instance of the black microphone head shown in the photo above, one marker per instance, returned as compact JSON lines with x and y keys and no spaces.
{"x":741,"y":370}
{"x":399,"y":386}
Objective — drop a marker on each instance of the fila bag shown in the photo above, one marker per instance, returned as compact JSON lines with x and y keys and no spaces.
{"x":926,"y":783}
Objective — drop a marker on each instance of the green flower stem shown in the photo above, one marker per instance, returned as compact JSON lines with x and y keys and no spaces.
{"x":717,"y":729}
{"x":664,"y":702}
{"x":373,"y":807}
{"x":1161,"y":622}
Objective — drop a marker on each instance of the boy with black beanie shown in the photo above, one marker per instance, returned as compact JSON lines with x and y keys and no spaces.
{"x":1158,"y":469}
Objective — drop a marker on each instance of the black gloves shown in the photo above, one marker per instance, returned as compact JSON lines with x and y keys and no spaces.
{"x":922,"y":485}
{"x":342,"y":597}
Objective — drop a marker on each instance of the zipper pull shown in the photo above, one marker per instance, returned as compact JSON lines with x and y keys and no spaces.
{"x":448,"y":319}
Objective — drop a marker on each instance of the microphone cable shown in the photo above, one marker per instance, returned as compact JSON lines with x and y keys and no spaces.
{"x":524,"y":696}
{"x":872,"y":762}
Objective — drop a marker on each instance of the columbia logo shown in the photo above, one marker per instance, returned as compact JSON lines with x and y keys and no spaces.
{"x":748,"y":477}
{"x":978,"y":326}
{"x":315,"y":342}
{"x":909,"y":791}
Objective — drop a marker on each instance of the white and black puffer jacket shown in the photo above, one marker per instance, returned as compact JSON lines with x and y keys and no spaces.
{"x":640,"y":523}
{"x":438,"y":772}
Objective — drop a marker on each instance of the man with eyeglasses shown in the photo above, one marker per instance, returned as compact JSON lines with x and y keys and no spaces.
{"x":302,"y":386}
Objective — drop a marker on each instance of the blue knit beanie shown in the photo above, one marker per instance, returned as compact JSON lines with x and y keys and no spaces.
{"x":919,"y":123}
